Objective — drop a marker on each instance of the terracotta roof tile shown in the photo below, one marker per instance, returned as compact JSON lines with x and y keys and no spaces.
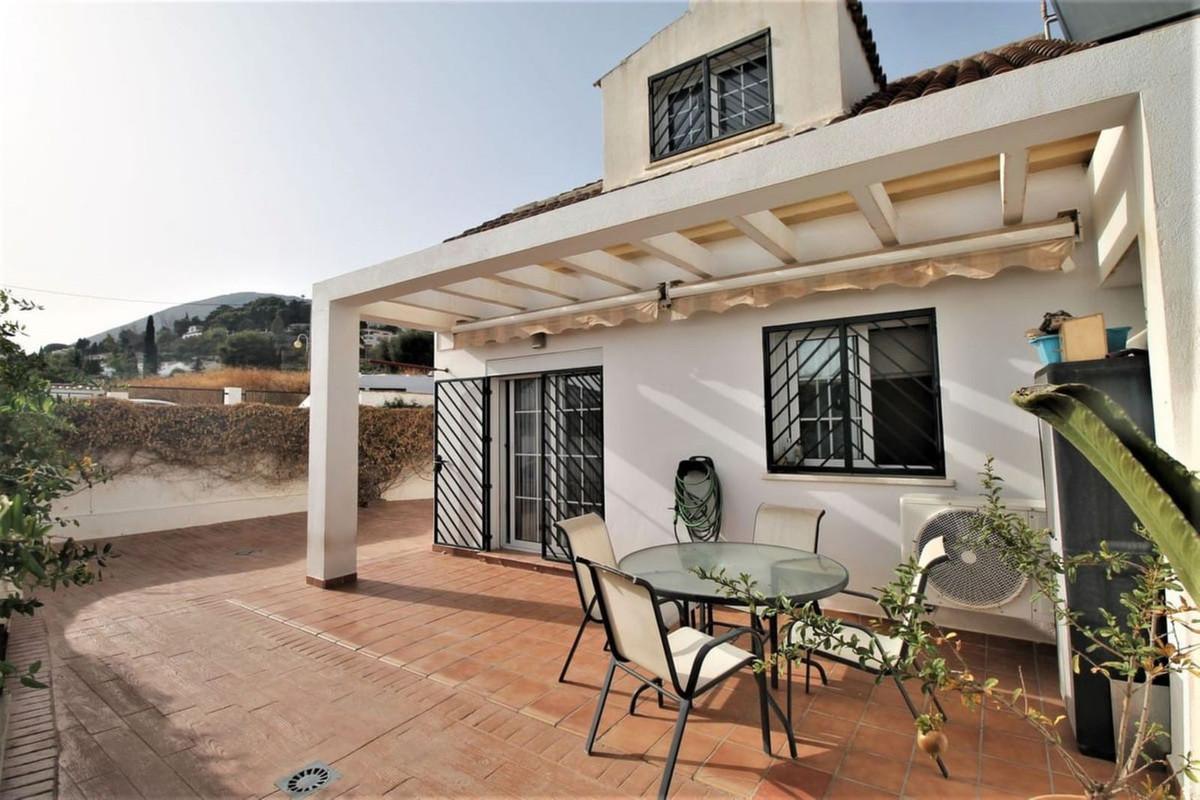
{"x":965,"y":70}
{"x":938,"y":79}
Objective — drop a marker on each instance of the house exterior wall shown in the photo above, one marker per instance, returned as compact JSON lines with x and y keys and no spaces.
{"x":810,"y":51}
{"x":686,"y":387}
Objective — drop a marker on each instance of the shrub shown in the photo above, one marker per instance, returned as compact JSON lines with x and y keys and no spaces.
{"x":250,"y":349}
{"x":267,"y":380}
{"x":245,"y":442}
{"x":35,"y":469}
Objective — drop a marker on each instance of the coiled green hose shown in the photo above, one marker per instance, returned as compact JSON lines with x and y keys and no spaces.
{"x":698,"y":499}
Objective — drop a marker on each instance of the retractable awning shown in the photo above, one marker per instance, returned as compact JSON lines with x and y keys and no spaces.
{"x":1041,"y":247}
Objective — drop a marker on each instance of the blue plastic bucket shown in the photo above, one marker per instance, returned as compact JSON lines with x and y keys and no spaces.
{"x":1117,"y":337}
{"x":1049,"y":348}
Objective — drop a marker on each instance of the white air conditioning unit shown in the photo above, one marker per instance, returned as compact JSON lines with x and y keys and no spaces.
{"x":974,"y":590}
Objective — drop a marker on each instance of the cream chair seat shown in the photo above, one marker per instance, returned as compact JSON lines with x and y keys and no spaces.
{"x":682,"y":664}
{"x":587,"y":537}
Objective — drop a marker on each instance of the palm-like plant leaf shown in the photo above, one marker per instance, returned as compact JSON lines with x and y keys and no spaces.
{"x":1161,"y":492}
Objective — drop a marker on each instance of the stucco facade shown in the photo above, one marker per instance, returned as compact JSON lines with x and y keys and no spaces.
{"x":814,"y":50}
{"x":680,"y":387}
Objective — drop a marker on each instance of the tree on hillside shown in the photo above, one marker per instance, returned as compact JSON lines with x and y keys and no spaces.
{"x":250,"y":349}
{"x":412,"y":347}
{"x":109,"y":344}
{"x":123,"y":364}
{"x":127,"y":340}
{"x":150,"y":348}
{"x":278,"y":326}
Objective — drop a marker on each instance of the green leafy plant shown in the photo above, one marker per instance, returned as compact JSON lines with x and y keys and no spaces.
{"x":32,"y":558}
{"x":35,"y":470}
{"x":1130,"y":646}
{"x":1162,"y":492}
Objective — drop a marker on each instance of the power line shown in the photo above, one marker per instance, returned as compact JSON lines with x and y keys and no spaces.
{"x":112,"y":299}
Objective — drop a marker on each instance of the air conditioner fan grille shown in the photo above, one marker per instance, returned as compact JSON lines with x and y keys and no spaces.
{"x":975,"y":576}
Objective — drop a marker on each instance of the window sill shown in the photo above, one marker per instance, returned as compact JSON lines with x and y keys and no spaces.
{"x":872,"y":480}
{"x":703,"y":150}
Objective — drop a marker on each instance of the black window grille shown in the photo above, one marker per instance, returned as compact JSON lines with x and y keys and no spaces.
{"x":717,"y":95}
{"x":858,"y":396}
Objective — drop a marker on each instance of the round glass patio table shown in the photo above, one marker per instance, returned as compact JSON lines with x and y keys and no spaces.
{"x":799,"y":575}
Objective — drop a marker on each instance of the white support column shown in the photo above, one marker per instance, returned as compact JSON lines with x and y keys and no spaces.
{"x":333,"y":445}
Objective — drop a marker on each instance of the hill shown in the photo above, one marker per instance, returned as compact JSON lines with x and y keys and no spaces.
{"x":199,"y":308}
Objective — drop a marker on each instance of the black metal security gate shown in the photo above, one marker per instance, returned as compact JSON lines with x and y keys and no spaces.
{"x":572,"y":451}
{"x":462,"y":480}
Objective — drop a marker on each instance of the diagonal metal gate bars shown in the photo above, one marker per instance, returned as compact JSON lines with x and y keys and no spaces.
{"x":462,"y":480}
{"x":572,"y":452}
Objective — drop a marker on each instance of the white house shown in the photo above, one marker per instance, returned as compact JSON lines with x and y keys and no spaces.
{"x":373,"y":336}
{"x":193,"y":332}
{"x":769,"y":201}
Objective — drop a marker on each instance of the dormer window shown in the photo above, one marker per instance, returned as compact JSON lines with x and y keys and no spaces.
{"x":720,"y":94}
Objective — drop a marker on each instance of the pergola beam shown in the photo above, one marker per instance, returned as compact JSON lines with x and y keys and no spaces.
{"x":391,"y":313}
{"x":607,"y":267}
{"x":519,"y":284}
{"x":876,"y":206}
{"x":1014,"y":171}
{"x":768,"y":232}
{"x":488,"y":290}
{"x":680,"y":251}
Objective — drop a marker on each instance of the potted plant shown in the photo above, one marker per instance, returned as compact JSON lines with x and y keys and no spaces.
{"x":1131,"y":647}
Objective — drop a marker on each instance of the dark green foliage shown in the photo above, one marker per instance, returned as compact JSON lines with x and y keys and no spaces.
{"x":1163,"y":493}
{"x":258,"y":315}
{"x":250,"y":349}
{"x":412,"y":347}
{"x":1130,"y":643}
{"x":35,"y":470}
{"x":150,"y":349}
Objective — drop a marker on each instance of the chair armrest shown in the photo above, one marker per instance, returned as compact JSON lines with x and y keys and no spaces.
{"x":717,"y":641}
{"x":680,"y":606}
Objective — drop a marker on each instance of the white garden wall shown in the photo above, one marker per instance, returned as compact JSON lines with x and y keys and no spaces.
{"x":166,"y":499}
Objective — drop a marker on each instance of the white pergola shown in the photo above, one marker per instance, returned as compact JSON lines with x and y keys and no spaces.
{"x":1144,"y":189}
{"x":612,"y":251}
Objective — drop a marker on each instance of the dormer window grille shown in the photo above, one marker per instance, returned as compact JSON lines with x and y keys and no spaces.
{"x":720,"y":94}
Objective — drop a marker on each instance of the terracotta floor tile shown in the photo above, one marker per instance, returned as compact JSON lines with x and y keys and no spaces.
{"x":844,"y":789}
{"x":635,"y":734}
{"x":694,"y":750}
{"x":163,"y":673}
{"x":874,"y":770}
{"x":792,"y":780}
{"x":735,"y":768}
{"x":883,"y":742}
{"x":1017,"y":749}
{"x":556,"y":704}
{"x":1013,"y":777}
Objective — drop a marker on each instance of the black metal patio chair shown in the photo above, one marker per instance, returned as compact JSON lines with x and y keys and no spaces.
{"x":887,"y":649}
{"x":587,"y":536}
{"x":683,"y":664}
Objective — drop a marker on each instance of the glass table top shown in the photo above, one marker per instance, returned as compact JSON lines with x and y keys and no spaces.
{"x":797,"y":574}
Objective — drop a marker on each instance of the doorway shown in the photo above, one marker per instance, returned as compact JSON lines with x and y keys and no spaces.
{"x":554,"y":456}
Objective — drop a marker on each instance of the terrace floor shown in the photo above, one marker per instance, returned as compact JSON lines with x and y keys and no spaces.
{"x":203,"y":665}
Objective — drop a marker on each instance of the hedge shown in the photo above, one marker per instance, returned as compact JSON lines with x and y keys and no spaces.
{"x":250,"y":441}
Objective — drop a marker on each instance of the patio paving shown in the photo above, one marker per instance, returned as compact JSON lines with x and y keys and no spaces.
{"x":203,"y":665}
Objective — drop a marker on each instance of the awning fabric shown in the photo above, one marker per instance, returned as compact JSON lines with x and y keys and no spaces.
{"x":1042,"y":256}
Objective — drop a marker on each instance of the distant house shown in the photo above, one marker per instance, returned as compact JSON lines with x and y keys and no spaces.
{"x":373,"y":336}
{"x":193,"y":332}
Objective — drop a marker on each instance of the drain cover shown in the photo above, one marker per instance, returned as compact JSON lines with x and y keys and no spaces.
{"x":309,"y":779}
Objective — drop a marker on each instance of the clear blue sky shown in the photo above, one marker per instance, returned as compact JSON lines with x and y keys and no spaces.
{"x":173,"y":152}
